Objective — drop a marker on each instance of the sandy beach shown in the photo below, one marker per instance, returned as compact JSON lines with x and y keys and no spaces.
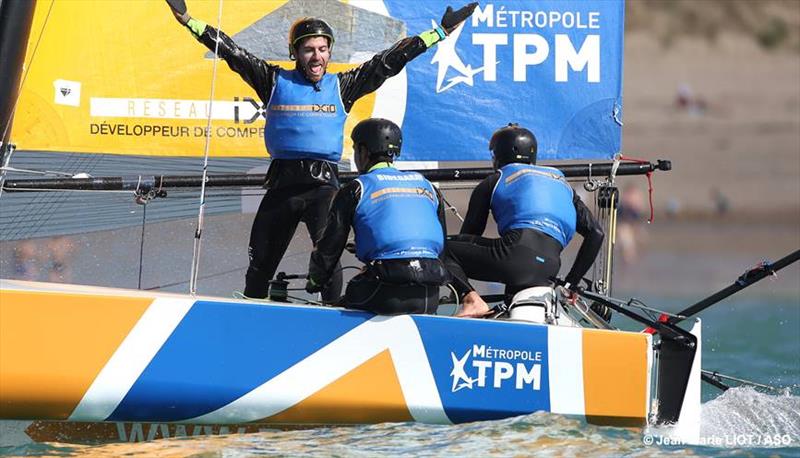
{"x":745,"y":142}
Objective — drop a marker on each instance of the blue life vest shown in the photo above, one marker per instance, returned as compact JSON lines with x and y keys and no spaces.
{"x":303,"y":123}
{"x":396,"y":217}
{"x":530,"y":196}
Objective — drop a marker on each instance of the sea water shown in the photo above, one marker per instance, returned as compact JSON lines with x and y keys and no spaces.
{"x":751,"y":337}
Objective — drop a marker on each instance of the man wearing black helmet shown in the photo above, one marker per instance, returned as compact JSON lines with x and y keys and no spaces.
{"x":402,"y":271}
{"x":305,"y":143}
{"x":537,"y":214}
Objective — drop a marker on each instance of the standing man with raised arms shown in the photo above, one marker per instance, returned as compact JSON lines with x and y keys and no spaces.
{"x":305,"y":145}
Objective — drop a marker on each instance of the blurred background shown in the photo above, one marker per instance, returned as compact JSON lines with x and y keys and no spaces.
{"x":715,"y":87}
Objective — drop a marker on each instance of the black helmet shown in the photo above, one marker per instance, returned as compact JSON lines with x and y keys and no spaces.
{"x":308,"y":27}
{"x":381,"y":137}
{"x":513,"y":143}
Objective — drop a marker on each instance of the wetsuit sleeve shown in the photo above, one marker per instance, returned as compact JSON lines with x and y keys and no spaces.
{"x":479,"y":206}
{"x":254,"y":71}
{"x":592,"y":233}
{"x":369,"y":76}
{"x":440,"y":213}
{"x":329,"y":248}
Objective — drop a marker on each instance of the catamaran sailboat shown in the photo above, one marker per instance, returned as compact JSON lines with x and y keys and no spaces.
{"x":118,"y":83}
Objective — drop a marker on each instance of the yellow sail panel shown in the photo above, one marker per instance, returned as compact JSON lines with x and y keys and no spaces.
{"x":124,"y":77}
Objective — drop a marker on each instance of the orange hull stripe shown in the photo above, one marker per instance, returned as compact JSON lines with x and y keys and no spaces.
{"x":615,"y":374}
{"x":370,"y":393}
{"x":53,"y":345}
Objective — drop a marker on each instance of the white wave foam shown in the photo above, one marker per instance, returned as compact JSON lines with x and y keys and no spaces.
{"x":744,"y":417}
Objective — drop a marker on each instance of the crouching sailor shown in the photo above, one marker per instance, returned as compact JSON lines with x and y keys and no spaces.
{"x":399,"y":225}
{"x":537,"y":214}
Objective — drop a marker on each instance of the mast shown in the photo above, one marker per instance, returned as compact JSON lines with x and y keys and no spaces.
{"x":16,"y":17}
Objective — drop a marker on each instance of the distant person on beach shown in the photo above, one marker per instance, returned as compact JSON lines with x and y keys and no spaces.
{"x":25,"y":260}
{"x":305,"y":143}
{"x":399,"y":224}
{"x":686,"y":100}
{"x":537,"y":214}
{"x":53,"y":259}
{"x":631,"y":207}
{"x":722,"y":204}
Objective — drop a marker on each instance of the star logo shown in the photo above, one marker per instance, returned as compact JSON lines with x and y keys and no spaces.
{"x":447,"y":58}
{"x":460,"y":378}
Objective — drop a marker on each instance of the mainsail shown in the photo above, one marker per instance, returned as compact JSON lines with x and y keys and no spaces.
{"x":117,"y":89}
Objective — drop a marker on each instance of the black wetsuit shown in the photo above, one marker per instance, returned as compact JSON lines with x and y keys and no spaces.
{"x":386,"y":287}
{"x":510,"y":258}
{"x":300,"y":190}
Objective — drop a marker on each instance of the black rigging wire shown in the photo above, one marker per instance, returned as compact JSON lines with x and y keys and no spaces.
{"x":43,"y":207}
{"x":202,"y":277}
{"x":141,"y":245}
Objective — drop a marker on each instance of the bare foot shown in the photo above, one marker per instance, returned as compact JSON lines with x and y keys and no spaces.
{"x":473,"y":306}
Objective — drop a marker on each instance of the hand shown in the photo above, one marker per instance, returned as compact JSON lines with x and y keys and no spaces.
{"x":473,"y":306}
{"x":569,"y":294}
{"x":452,"y":19}
{"x":312,"y":286}
{"x":179,"y":10}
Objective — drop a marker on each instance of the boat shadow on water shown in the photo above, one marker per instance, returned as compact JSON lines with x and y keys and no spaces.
{"x":741,"y":418}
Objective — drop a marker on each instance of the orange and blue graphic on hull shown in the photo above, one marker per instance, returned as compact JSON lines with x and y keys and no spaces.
{"x":89,"y":355}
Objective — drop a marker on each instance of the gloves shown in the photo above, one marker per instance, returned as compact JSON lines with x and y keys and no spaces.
{"x":452,"y":19}
{"x":178,"y":8}
{"x":312,"y":287}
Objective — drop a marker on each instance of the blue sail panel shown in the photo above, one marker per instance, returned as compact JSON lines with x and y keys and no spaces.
{"x":554,"y":67}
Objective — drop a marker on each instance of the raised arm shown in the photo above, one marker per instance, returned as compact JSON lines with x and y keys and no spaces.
{"x":370,"y":75}
{"x":254,"y":71}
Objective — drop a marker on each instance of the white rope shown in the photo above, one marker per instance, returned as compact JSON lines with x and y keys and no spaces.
{"x":614,"y":166}
{"x":37,"y":172}
{"x":98,"y":191}
{"x":201,"y":212}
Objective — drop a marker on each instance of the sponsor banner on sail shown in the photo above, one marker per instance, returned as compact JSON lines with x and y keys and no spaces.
{"x":554,"y":67}
{"x":124,"y":77}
